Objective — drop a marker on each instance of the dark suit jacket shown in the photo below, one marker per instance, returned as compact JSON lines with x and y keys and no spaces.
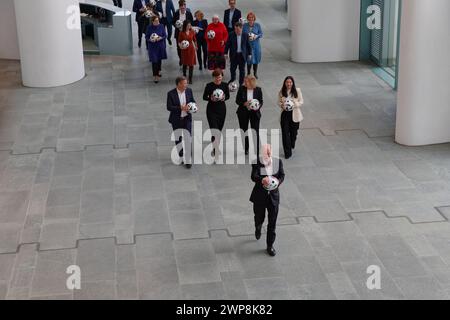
{"x":170,"y":9}
{"x":259,"y":194}
{"x":231,"y":46}
{"x":137,"y":5}
{"x":173,"y":105}
{"x":176,"y":17}
{"x":241,"y":98}
{"x":237,"y":15}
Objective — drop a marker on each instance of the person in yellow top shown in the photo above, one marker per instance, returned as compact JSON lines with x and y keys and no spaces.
{"x":290,"y":100}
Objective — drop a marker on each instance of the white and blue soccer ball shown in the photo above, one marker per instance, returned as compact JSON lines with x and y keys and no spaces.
{"x":218,"y":95}
{"x":254,"y":105}
{"x":192,"y":107}
{"x":211,"y":34}
{"x":179,"y":24}
{"x":184,"y":44}
{"x":233,"y":86}
{"x":154,"y":37}
{"x":274,"y":183}
{"x":289,"y":105}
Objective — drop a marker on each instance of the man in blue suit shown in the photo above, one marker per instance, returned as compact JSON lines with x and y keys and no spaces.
{"x":239,"y":49}
{"x":167,"y":10}
{"x":139,"y":9}
{"x":231,"y":16}
{"x":177,"y":103}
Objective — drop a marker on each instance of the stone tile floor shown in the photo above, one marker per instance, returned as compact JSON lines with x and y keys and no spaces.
{"x":86,"y":178}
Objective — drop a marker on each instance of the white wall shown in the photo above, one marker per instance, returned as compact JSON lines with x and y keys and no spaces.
{"x":51,"y":54}
{"x":423,"y":107}
{"x":325,"y":30}
{"x":9,"y":47}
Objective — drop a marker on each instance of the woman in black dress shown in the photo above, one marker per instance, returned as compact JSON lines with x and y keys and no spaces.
{"x":247,"y":93}
{"x":216,"y":93}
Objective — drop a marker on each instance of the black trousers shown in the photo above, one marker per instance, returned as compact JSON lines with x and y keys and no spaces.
{"x":216,"y":118}
{"x":187,"y":125}
{"x":191,"y":72}
{"x":156,"y":68}
{"x":260,"y":215}
{"x":244,"y":117}
{"x":238,"y":61}
{"x":143,"y":23}
{"x":168,"y":27}
{"x":118,"y":3}
{"x":202,"y":53}
{"x":289,"y":132}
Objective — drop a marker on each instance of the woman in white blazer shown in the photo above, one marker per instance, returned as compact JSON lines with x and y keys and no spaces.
{"x":290,"y":100}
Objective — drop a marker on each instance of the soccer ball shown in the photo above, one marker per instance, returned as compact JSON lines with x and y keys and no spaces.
{"x":196,"y":29}
{"x":154,"y":37}
{"x":218,"y":95}
{"x":274,"y":183}
{"x":252,"y":36}
{"x":211,"y":34}
{"x":184,"y":44}
{"x":152,"y":3}
{"x":149,"y":13}
{"x":233,"y":87}
{"x":254,"y":105}
{"x":289,"y":105}
{"x":179,"y":24}
{"x":192,"y":107}
{"x":243,"y":21}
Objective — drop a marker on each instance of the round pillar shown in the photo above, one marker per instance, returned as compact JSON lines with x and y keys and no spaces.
{"x":51,"y":49}
{"x":423,"y":97}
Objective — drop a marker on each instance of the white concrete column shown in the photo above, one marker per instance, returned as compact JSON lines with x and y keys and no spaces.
{"x":51,"y":53}
{"x":9,"y":47}
{"x":423,"y":106}
{"x":325,"y":30}
{"x":289,"y":14}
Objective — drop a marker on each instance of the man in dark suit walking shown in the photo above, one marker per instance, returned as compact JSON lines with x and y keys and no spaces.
{"x":139,"y":7}
{"x":239,"y":48}
{"x":263,"y":199}
{"x":167,"y":10}
{"x":231,"y":16}
{"x":180,"y":118}
{"x":182,"y":14}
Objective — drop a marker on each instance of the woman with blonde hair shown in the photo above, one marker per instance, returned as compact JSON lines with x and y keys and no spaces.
{"x":254,"y":30}
{"x":244,"y":97}
{"x":200,"y":24}
{"x":290,"y":99}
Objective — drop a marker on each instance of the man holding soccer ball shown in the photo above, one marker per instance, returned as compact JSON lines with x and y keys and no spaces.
{"x":268,"y":175}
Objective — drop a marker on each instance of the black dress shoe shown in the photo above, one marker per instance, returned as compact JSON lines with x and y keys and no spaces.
{"x":271,"y":251}
{"x":170,"y":42}
{"x":139,"y":43}
{"x":188,"y":166}
{"x":258,"y":232}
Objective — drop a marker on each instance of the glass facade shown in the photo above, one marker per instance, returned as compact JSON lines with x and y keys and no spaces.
{"x":380,"y":22}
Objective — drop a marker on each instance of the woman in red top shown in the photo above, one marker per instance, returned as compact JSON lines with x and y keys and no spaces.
{"x":216,"y":45}
{"x":188,"y":55}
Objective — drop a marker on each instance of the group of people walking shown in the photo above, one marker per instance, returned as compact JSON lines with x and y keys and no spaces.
{"x":210,"y":45}
{"x":199,"y":42}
